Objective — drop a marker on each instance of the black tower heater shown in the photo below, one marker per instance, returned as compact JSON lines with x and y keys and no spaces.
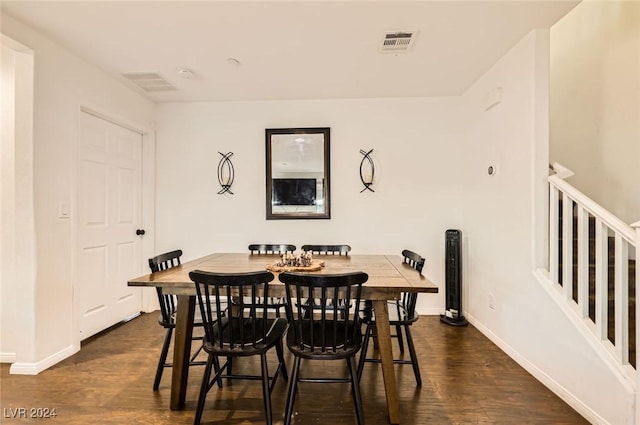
{"x":453,"y":280}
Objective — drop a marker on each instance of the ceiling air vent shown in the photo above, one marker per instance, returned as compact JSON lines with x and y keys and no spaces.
{"x":150,"y":81}
{"x":397,"y":41}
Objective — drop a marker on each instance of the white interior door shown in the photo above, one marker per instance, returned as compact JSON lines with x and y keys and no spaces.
{"x":109,"y":214}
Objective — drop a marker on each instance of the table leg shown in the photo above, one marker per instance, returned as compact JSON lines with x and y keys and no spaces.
{"x":386,"y":356}
{"x":182,"y":350}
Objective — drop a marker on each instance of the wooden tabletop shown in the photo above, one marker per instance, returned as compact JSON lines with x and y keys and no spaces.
{"x":388,"y":274}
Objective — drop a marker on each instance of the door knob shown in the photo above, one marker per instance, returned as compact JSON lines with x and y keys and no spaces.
{"x":140,"y":232}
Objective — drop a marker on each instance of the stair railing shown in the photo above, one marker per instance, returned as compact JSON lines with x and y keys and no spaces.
{"x":572,"y":218}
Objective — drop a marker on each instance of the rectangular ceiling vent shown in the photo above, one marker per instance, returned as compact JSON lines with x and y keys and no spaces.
{"x":397,"y":41}
{"x":150,"y":81}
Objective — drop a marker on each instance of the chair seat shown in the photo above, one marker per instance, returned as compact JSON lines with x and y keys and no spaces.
{"x":272,"y":302}
{"x":325,"y":337}
{"x":316,"y":306}
{"x":197,"y":315}
{"x":197,"y":320}
{"x":237,"y":332}
{"x":398,"y":314}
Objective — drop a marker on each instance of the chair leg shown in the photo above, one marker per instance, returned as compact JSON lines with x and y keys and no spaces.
{"x":282,"y":365}
{"x":229,"y":365}
{"x":399,"y":336}
{"x":355,"y":390}
{"x":266,"y":394}
{"x":203,"y":390}
{"x":363,"y":351}
{"x":291,"y":396}
{"x":414,"y":357}
{"x":163,"y":359}
{"x":216,"y":368}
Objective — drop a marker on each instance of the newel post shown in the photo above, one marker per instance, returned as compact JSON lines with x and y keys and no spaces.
{"x":636,"y":226}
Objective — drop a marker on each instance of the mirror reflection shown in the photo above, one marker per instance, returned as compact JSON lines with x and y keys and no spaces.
{"x":297,"y":173}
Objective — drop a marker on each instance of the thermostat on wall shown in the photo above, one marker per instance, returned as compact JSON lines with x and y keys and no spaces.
{"x":493,"y":98}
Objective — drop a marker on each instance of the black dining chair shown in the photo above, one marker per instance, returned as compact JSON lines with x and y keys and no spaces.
{"x":241,"y":332}
{"x":274,"y":303}
{"x":327,"y":249}
{"x":402,"y":314}
{"x":168,"y":309}
{"x":324,"y":335}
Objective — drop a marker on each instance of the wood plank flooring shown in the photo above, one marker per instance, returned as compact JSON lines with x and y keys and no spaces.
{"x":466,"y":380}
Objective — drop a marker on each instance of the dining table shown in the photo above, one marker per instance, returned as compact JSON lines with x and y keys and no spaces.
{"x":389,"y":276}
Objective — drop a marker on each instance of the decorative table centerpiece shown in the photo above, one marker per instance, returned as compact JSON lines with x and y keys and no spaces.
{"x":289,"y":262}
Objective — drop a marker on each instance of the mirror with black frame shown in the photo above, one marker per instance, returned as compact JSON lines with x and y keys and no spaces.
{"x":297,"y":173}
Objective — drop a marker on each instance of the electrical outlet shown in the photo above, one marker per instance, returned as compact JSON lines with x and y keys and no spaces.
{"x":491,"y":302}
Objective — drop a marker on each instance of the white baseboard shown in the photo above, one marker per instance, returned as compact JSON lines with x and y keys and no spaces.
{"x":541,"y":376}
{"x":7,"y":357}
{"x":433,"y":311}
{"x":36,"y":368}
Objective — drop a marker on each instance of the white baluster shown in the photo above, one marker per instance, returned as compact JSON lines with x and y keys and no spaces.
{"x":583,"y":261}
{"x":622,"y":299}
{"x":554,"y":199}
{"x":602,"y":267}
{"x":567,"y":246}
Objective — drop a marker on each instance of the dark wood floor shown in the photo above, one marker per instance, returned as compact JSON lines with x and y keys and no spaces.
{"x":466,"y":380}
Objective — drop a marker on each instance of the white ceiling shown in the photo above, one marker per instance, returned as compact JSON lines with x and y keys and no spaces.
{"x":291,"y":50}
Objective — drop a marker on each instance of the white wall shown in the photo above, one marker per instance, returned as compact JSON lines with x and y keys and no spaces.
{"x":63,"y":83}
{"x":417,"y":189}
{"x":17,"y":234}
{"x":502,"y":226}
{"x":595,"y":102}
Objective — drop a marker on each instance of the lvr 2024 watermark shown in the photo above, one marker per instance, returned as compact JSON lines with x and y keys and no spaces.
{"x":29,"y":412}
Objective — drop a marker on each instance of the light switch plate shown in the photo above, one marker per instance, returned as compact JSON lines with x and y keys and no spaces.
{"x":64,"y":210}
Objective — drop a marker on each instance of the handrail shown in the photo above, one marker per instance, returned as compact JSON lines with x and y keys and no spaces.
{"x":560,"y":170}
{"x":613,"y":222}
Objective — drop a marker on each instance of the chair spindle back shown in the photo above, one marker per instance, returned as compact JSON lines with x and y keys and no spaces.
{"x":277,"y":249}
{"x":168,"y":302}
{"x":327,"y":249}
{"x":416,"y":261}
{"x":326,"y":331}
{"x":246,"y":324}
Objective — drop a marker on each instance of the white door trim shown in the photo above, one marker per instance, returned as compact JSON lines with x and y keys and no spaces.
{"x":149,"y":301}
